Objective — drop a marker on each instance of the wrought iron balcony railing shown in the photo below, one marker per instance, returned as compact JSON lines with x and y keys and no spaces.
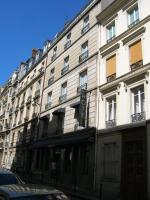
{"x":51,"y":80}
{"x":81,"y":87}
{"x":65,"y":70}
{"x":111,"y":38}
{"x":138,"y":117}
{"x":111,"y":123}
{"x":62,"y":98}
{"x":37,"y":94}
{"x":48,"y":105}
{"x":111,"y":77}
{"x":53,"y":57}
{"x":133,"y":23}
{"x":136,"y":65}
{"x":85,"y":28}
{"x":67,"y":45}
{"x":83,"y":56}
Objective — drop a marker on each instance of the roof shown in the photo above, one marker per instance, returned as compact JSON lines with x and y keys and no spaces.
{"x":24,"y":190}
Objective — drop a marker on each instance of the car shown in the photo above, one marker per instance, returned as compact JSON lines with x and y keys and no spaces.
{"x":30,"y":192}
{"x":8,"y":177}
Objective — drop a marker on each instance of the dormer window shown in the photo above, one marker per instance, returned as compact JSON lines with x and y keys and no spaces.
{"x":46,"y":45}
{"x":30,"y":62}
{"x":111,"y":32}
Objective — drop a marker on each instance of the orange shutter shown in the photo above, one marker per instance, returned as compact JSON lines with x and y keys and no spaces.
{"x":111,"y":66}
{"x":135,"y":52}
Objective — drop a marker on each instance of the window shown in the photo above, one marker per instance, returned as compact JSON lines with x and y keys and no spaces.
{"x":82,"y":81}
{"x":54,"y":54}
{"x":49,"y":97}
{"x":68,"y":41}
{"x":38,"y":85}
{"x":138,"y":104}
{"x":133,"y":16}
{"x":66,"y":66}
{"x":85,"y":24}
{"x":110,"y":162}
{"x":135,"y":51}
{"x":63,"y":92}
{"x":111,"y":112}
{"x":52,"y":72}
{"x":111,"y":68}
{"x":110,"y":31}
{"x":84,"y":52}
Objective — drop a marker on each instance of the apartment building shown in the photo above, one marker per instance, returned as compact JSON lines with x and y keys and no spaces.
{"x":124,"y":101}
{"x":76,"y":114}
{"x":68,"y":111}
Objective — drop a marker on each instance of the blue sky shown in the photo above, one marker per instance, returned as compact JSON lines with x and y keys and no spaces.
{"x":26,"y":24}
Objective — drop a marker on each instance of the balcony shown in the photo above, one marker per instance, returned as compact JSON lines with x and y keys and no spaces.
{"x":81,"y":87}
{"x":37,"y":94}
{"x":13,"y":95}
{"x":85,"y":28}
{"x":133,"y":23}
{"x":34,"y":115}
{"x":14,"y":125}
{"x":136,"y":65}
{"x":67,"y":45}
{"x":62,"y":98}
{"x":65,"y":70}
{"x":7,"y":126}
{"x":26,"y":119}
{"x":51,"y":80}
{"x":48,"y":105}
{"x":41,"y":70}
{"x":111,"y":123}
{"x":83,"y":56}
{"x":20,"y":122}
{"x":111,"y":77}
{"x":10,"y":111}
{"x":110,"y":39}
{"x":29,"y":100}
{"x":53,"y":57}
{"x":137,"y":117}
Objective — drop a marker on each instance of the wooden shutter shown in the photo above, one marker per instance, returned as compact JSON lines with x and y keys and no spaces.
{"x":111,"y":66}
{"x":135,"y":52}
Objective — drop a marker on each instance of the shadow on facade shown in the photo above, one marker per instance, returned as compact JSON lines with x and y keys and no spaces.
{"x":45,"y":155}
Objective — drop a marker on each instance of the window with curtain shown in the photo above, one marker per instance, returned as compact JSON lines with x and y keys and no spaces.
{"x":111,"y":68}
{"x":135,"y":53}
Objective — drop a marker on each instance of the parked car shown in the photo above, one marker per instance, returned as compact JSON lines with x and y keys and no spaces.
{"x":8,"y":177}
{"x":30,"y":192}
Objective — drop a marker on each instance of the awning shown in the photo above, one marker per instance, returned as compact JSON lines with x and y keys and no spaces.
{"x":76,"y":104}
{"x":81,"y":136}
{"x":58,"y":111}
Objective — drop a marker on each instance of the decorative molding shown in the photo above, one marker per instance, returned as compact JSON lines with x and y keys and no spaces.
{"x":133,"y":35}
{"x":113,"y":48}
{"x":129,"y":4}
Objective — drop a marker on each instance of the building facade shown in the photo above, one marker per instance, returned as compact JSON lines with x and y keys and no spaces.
{"x":76,"y":114}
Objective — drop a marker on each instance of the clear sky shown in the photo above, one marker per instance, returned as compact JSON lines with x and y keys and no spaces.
{"x":26,"y":24}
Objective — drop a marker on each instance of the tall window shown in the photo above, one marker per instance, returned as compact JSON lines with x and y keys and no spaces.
{"x":111,"y":68}
{"x":85,"y":24}
{"x":38,"y":85}
{"x":49,"y":97}
{"x":55,"y":51}
{"x":52,"y":71}
{"x":135,"y":51}
{"x":110,"y":162}
{"x":138,"y":103}
{"x":64,"y":89}
{"x":66,"y":65}
{"x":110,"y":31}
{"x":133,"y":16}
{"x":68,"y":41}
{"x":84,"y":52}
{"x":111,"y":111}
{"x":83,"y":79}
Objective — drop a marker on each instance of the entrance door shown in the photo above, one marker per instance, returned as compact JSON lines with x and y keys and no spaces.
{"x":134,"y":166}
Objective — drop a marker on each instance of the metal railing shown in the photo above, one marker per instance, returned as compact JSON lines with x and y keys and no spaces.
{"x":67,"y":45}
{"x":136,"y":65}
{"x":111,"y":123}
{"x":62,"y":98}
{"x":138,"y":117}
{"x":111,"y":78}
{"x":48,"y":105}
{"x":51,"y":80}
{"x":133,"y":23}
{"x":85,"y":28}
{"x":83,"y":56}
{"x":64,"y":69}
{"x":81,"y":87}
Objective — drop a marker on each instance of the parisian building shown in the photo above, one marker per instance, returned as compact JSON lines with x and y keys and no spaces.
{"x":76,"y":114}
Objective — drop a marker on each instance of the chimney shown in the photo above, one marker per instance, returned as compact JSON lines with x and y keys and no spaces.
{"x":34,"y":52}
